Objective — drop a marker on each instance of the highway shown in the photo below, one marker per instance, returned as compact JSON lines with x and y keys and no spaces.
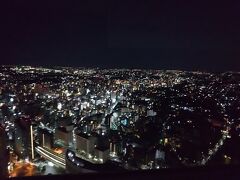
{"x":58,"y":160}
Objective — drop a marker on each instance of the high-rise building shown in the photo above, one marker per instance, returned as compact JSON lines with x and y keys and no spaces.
{"x":85,"y":143}
{"x":46,"y":138}
{"x":102,"y":153}
{"x":64,"y":136}
{"x":23,"y":138}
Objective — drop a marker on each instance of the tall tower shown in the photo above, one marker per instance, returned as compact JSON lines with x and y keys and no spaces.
{"x":23,"y":139}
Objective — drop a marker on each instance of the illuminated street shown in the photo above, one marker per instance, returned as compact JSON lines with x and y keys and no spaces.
{"x":23,"y":169}
{"x":72,"y":123}
{"x":111,"y":87}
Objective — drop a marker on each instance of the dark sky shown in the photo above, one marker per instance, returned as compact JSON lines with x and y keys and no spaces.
{"x":185,"y":35}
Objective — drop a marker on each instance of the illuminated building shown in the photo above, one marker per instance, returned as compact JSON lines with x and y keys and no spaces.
{"x":23,"y":138}
{"x":46,"y":138}
{"x":64,"y":136}
{"x":113,"y":96}
{"x":85,"y":143}
{"x":151,"y":113}
{"x":75,"y":164}
{"x":101,"y":153}
{"x":116,"y":144}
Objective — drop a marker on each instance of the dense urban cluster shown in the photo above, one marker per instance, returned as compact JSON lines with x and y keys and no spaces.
{"x":72,"y":120}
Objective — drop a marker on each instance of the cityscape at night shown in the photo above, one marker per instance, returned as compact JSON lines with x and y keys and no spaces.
{"x":119,"y":90}
{"x":68,"y":120}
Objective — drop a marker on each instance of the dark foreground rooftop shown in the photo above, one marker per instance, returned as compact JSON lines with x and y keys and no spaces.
{"x":207,"y":172}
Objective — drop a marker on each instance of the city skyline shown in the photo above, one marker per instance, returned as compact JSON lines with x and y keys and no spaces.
{"x":106,"y":87}
{"x":90,"y":120}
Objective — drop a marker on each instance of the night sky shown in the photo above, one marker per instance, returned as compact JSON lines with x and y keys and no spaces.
{"x":185,"y":35}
